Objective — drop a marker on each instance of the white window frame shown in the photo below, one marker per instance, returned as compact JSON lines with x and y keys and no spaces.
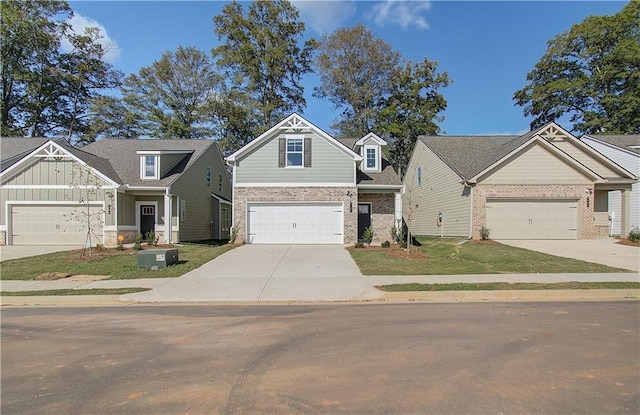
{"x":208,"y":176}
{"x":143,"y":167}
{"x":287,"y":152}
{"x":376,"y":150}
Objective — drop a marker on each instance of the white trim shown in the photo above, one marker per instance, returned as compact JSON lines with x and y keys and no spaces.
{"x":3,"y":228}
{"x":168,"y":220}
{"x":54,"y":186}
{"x":377,"y":149}
{"x":380,"y":186}
{"x":297,"y":123}
{"x":221,"y":200}
{"x":371,"y":136}
{"x":162,"y":188}
{"x":51,"y":143}
{"x":143,"y":167}
{"x":9,"y":203}
{"x":288,"y":137}
{"x":155,"y":211}
{"x":120,"y":228}
{"x":160,"y":152}
{"x":295,"y":185}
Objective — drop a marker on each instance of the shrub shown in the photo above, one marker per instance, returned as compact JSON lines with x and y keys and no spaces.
{"x":484,"y":233}
{"x":634,"y":235}
{"x":151,"y":238}
{"x":99,"y":247}
{"x":359,"y":245}
{"x":120,"y":247}
{"x":398,"y":233}
{"x":137,"y":242}
{"x":386,"y":244}
{"x":233,"y":234}
{"x":367,"y":236}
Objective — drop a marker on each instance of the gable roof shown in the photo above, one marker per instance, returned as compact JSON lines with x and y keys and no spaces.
{"x":386,"y":176}
{"x":123,"y":156}
{"x":630,"y":142}
{"x":294,"y":124}
{"x":20,"y":148}
{"x":469,"y":156}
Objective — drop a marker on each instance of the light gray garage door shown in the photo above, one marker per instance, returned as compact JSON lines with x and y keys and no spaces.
{"x":54,"y":224}
{"x":532,"y":219}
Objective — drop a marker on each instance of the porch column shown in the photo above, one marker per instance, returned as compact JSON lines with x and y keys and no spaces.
{"x":167,"y":218}
{"x":625,"y":212}
{"x":398,"y":209}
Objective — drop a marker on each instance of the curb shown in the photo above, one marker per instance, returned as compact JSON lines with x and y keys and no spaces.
{"x":514,"y":295}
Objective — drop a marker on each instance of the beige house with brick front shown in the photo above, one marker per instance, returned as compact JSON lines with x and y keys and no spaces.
{"x":545,"y":184}
{"x":295,"y":184}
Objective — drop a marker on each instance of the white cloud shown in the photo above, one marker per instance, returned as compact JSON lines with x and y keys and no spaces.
{"x":78,"y":23}
{"x":325,"y":16}
{"x":401,"y":12}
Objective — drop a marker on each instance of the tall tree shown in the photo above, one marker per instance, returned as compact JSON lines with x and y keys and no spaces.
{"x":176,"y":96}
{"x":355,"y":70}
{"x":30,"y":39}
{"x":592,"y":73}
{"x":110,"y":118}
{"x":264,"y":58}
{"x":412,"y":107}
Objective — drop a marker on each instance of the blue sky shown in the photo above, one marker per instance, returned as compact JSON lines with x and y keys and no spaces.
{"x":486,"y":47}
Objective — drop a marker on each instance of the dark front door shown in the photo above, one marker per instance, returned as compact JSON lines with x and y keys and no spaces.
{"x":364,"y":218}
{"x":147,"y":219}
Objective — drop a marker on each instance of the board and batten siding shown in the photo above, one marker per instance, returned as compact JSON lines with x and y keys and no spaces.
{"x":440,"y":190}
{"x":524,"y":167}
{"x":126,"y":209}
{"x":328,"y":165}
{"x":52,"y":172}
{"x":191,"y":187}
{"x":631,"y":163}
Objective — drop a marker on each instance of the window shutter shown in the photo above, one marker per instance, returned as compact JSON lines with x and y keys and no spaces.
{"x":307,"y":152}
{"x":282,"y":152}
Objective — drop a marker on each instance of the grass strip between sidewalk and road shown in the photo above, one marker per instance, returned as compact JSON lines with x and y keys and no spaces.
{"x":69,"y":291}
{"x":495,"y":286}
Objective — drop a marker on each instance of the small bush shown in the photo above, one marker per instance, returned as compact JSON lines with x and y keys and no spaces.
{"x":386,"y":244}
{"x":367,"y":236}
{"x":151,"y":238}
{"x":120,"y":247}
{"x":99,"y":247}
{"x":233,"y":234}
{"x":359,"y":245}
{"x":398,"y":233}
{"x":634,"y":235}
{"x":137,"y":242}
{"x":484,"y":233}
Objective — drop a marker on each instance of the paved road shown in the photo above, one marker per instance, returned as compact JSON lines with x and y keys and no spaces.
{"x":553,"y":358}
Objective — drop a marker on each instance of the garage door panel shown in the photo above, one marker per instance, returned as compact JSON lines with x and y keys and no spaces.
{"x":532,"y":219}
{"x":295,"y":223}
{"x":53,"y":224}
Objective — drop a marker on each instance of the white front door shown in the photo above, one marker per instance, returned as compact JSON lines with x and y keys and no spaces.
{"x":294,"y":223}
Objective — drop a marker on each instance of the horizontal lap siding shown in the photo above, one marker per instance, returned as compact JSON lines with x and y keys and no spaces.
{"x":328,"y":165}
{"x":440,"y":191}
{"x":585,"y":158}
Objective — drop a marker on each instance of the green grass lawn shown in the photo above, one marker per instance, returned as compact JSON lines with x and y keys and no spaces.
{"x":492,"y":286}
{"x":117,"y":264}
{"x":89,"y":291}
{"x":444,"y":256}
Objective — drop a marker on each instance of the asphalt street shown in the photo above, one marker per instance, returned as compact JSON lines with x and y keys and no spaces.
{"x":488,"y":358}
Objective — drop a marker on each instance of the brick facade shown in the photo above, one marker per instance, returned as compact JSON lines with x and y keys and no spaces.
{"x":346,"y":195}
{"x":586,"y":224}
{"x":382,"y":214}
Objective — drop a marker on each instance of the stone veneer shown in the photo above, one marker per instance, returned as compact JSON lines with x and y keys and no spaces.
{"x":382,"y":214}
{"x":586,"y":224}
{"x":111,"y":237}
{"x":3,"y":238}
{"x":347,"y":195}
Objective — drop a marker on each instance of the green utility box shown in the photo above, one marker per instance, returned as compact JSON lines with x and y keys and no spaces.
{"x":159,"y":258}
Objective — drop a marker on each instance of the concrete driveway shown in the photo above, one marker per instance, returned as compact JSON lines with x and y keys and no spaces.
{"x":22,"y":251}
{"x":269,"y":273}
{"x":601,"y":251}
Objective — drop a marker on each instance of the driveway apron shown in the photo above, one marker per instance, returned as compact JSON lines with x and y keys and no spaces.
{"x":269,"y":273}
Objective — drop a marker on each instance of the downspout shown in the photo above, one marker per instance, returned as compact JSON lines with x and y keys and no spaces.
{"x":471,"y":192}
{"x":167,"y":216}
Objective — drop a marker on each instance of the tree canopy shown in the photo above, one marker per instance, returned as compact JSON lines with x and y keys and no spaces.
{"x":591,"y":73}
{"x":264,"y":59}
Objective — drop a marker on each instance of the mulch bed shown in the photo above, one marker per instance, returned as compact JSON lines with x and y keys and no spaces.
{"x":97,"y":254}
{"x":628,"y":243}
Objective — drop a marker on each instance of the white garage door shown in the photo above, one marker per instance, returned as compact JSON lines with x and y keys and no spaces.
{"x":294,"y":223}
{"x":54,"y":224}
{"x":532,"y":219}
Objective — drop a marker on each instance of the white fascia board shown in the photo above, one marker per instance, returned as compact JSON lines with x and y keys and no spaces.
{"x":161,"y":188}
{"x":371,"y":136}
{"x":380,"y":186}
{"x":219,"y":199}
{"x":282,"y":124}
{"x":548,"y":146}
{"x":66,"y":153}
{"x":160,"y":152}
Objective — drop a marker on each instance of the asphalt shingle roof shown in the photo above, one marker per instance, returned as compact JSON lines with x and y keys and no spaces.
{"x":622,"y":141}
{"x":386,"y":176}
{"x":122,"y":155}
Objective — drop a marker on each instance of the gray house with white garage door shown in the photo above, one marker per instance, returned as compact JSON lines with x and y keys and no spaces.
{"x":178,"y":189}
{"x":545,"y":184}
{"x":295,"y":184}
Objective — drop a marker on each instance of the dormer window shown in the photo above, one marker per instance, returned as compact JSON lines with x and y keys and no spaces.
{"x":149,"y":167}
{"x":371,"y":157}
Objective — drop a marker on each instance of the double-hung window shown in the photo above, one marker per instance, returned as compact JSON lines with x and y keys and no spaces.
{"x":149,"y":167}
{"x":419,"y":176}
{"x":208,"y":176}
{"x":294,"y":152}
{"x":371,"y":157}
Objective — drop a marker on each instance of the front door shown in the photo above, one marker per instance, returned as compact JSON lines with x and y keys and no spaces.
{"x":147,"y":219}
{"x":364,"y":218}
